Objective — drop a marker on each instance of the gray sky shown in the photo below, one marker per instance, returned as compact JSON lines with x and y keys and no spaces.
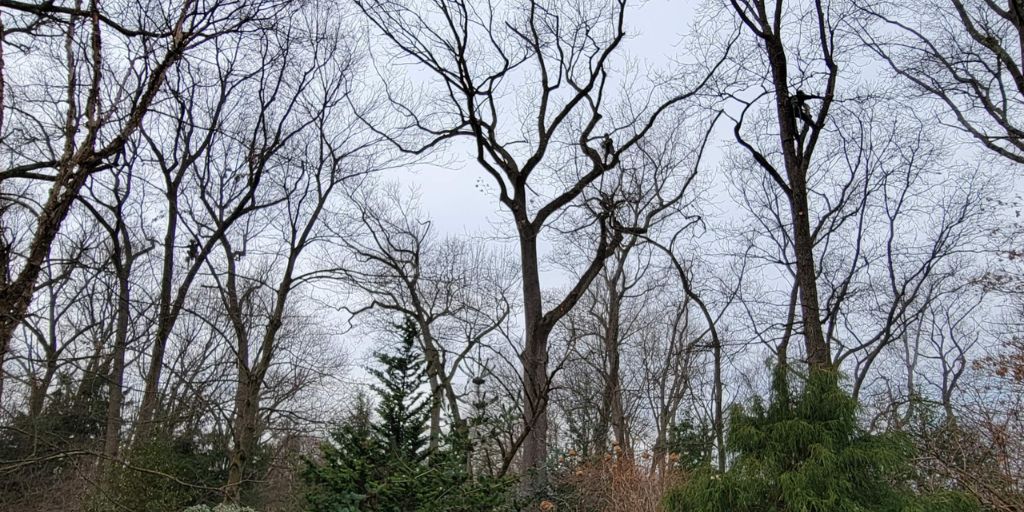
{"x":450,"y":193}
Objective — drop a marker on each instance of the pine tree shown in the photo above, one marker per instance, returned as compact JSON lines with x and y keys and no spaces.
{"x":402,"y":426}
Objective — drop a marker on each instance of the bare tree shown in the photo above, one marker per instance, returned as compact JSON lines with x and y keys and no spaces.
{"x":111,"y":203}
{"x":655,"y":187}
{"x":64,"y":142}
{"x":55,"y":329}
{"x":964,"y":54}
{"x":215,"y":172}
{"x":473,"y":54}
{"x":670,"y":365}
{"x":458,"y":296}
{"x":798,"y":120}
{"x":322,"y":146}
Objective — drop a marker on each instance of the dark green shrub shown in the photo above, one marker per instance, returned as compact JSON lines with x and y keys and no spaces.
{"x":807,"y":454}
{"x":164,"y":473}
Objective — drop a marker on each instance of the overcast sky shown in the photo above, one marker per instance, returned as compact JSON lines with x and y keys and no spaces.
{"x":450,"y":193}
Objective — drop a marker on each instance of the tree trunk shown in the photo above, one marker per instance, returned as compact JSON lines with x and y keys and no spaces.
{"x":243,"y":434}
{"x":535,"y":371}
{"x":659,"y":451}
{"x":613,"y":384}
{"x":796,"y":162}
{"x":719,"y":391}
{"x":165,"y":320}
{"x":37,"y":397}
{"x":435,"y":377}
{"x":16,"y":296}
{"x":112,"y":435}
{"x":818,"y":353}
{"x":435,"y":414}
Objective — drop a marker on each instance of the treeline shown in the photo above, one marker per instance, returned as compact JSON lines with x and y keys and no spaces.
{"x":775,"y":269}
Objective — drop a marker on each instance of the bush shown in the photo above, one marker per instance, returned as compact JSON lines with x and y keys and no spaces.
{"x":809,"y":454}
{"x":611,"y":484}
{"x":165,"y":473}
{"x":71,"y":421}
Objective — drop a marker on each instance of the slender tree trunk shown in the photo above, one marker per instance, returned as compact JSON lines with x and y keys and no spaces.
{"x":458,"y":423}
{"x":243,"y":428}
{"x":613,"y":384}
{"x":535,"y":371}
{"x":436,"y":401}
{"x":150,"y":394}
{"x":435,"y":377}
{"x":659,"y":451}
{"x":37,"y":397}
{"x":787,"y":332}
{"x":719,"y":390}
{"x":112,"y":435}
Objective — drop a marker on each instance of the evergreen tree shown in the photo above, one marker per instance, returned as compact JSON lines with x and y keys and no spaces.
{"x":401,"y":429}
{"x":402,"y":409}
{"x":693,"y":443}
{"x":72,"y":419}
{"x":382,"y":465}
{"x":807,"y":454}
{"x":350,"y":465}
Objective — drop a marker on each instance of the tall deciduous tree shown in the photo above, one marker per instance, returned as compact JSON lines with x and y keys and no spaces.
{"x":567,"y":136}
{"x":799,"y":118}
{"x":458,"y":295}
{"x":102,"y":104}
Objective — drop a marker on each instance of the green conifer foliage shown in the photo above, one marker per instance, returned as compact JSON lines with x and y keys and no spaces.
{"x":693,"y":443}
{"x":807,"y":454}
{"x":402,"y":408}
{"x":348,"y":467}
{"x":382,"y":464}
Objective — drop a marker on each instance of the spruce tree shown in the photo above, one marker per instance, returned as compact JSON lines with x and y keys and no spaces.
{"x":402,"y":408}
{"x":382,"y":464}
{"x":401,"y":428}
{"x":345,"y":479}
